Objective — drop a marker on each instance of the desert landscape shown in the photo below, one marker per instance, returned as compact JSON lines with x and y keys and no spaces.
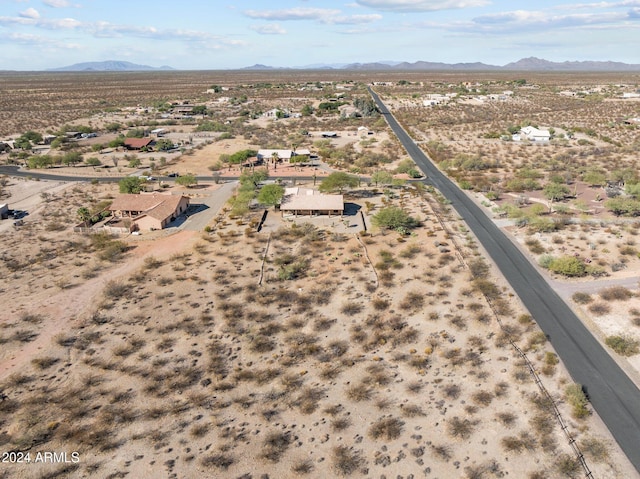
{"x":268,"y":345}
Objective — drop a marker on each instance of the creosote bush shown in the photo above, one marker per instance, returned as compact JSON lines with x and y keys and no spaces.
{"x":623,"y":345}
{"x":576,"y":398}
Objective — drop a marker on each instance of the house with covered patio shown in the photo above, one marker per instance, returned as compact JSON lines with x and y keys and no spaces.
{"x":306,"y":201}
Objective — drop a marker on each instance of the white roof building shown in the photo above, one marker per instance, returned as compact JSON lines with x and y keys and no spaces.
{"x":534,"y":134}
{"x":306,"y":201}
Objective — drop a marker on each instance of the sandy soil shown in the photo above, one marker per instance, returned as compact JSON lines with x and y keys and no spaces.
{"x":191,"y":357}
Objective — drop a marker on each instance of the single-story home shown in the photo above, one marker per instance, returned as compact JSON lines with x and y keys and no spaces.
{"x":149,"y":211}
{"x":268,"y":155}
{"x":306,"y":201}
{"x":534,"y":134}
{"x":137,"y":143}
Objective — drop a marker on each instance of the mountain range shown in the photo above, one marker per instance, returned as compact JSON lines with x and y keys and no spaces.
{"x":109,"y":66}
{"x":524,"y":64}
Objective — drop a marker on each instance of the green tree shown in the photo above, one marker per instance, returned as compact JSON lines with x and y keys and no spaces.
{"x":254,"y":178}
{"x":216,"y":88}
{"x":594,"y":178}
{"x":164,"y":144}
{"x":394,"y":218}
{"x":39,"y":161}
{"x":72,"y":158}
{"x":134,"y":162}
{"x":555,"y":192}
{"x":85,"y":215}
{"x":307,"y":110}
{"x":382,"y":177}
{"x":131,"y":184}
{"x":117,"y":142}
{"x":338,"y":181}
{"x":187,"y":180}
{"x":93,"y":161}
{"x":113,"y":127}
{"x":271,"y":195}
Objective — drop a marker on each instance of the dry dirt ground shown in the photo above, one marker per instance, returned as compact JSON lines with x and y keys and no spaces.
{"x":194,"y":356}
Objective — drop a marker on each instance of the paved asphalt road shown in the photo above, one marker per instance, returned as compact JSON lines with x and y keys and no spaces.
{"x":16,"y":171}
{"x":613,"y":395}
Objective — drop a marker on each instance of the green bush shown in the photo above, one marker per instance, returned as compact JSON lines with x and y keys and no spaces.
{"x":623,"y":345}
{"x":576,"y":398}
{"x":568,"y":266}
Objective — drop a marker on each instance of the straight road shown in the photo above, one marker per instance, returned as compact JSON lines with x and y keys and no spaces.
{"x":16,"y":171}
{"x":613,"y":395}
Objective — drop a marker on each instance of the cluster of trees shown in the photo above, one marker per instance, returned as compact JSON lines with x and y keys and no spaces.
{"x":249,"y":188}
{"x":70,"y":158}
{"x":238,"y":158}
{"x":27,"y":140}
{"x":366,"y":106}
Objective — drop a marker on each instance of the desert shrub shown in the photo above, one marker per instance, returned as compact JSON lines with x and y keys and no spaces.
{"x":568,"y":266}
{"x":535,"y":246}
{"x":483,"y":398}
{"x":508,"y":419}
{"x":568,"y":465}
{"x":487,"y":288}
{"x":596,"y":449}
{"x":151,"y":262}
{"x":442,"y":451}
{"x":615,"y":293}
{"x":623,"y":345}
{"x":380,"y":304}
{"x":275,"y":445}
{"x":582,"y":298}
{"x":347,"y":460}
{"x":412,"y":301}
{"x":452,"y":391}
{"x":576,"y":398}
{"x":388,"y":428}
{"x":340,"y":424}
{"x":351,"y":308}
{"x":219,"y":461}
{"x":359,"y":392}
{"x":303,"y":467}
{"x":461,"y":428}
{"x":512,"y":444}
{"x":545,"y":260}
{"x":44,"y":362}
{"x":115,"y":290}
{"x":598,"y":309}
{"x":478,"y":268}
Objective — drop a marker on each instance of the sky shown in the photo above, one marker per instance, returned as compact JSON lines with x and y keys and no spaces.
{"x":225,"y":34}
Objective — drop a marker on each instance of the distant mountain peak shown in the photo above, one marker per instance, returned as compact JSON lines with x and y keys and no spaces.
{"x":524,"y":64}
{"x":109,"y":66}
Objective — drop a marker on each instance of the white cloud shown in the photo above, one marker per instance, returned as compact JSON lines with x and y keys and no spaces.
{"x":321,"y":15}
{"x":269,"y":29}
{"x":522,"y":20}
{"x":420,"y":5}
{"x":57,"y":3}
{"x":30,"y":13}
{"x":292,"y":14}
{"x":38,"y":41}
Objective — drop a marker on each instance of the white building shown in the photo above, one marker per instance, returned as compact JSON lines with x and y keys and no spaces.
{"x":534,"y":134}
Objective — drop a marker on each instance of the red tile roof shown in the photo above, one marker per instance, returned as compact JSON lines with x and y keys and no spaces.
{"x":137,"y":142}
{"x":155,"y":205}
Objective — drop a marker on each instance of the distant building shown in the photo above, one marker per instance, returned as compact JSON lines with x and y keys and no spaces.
{"x":137,"y":143}
{"x":534,"y":134}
